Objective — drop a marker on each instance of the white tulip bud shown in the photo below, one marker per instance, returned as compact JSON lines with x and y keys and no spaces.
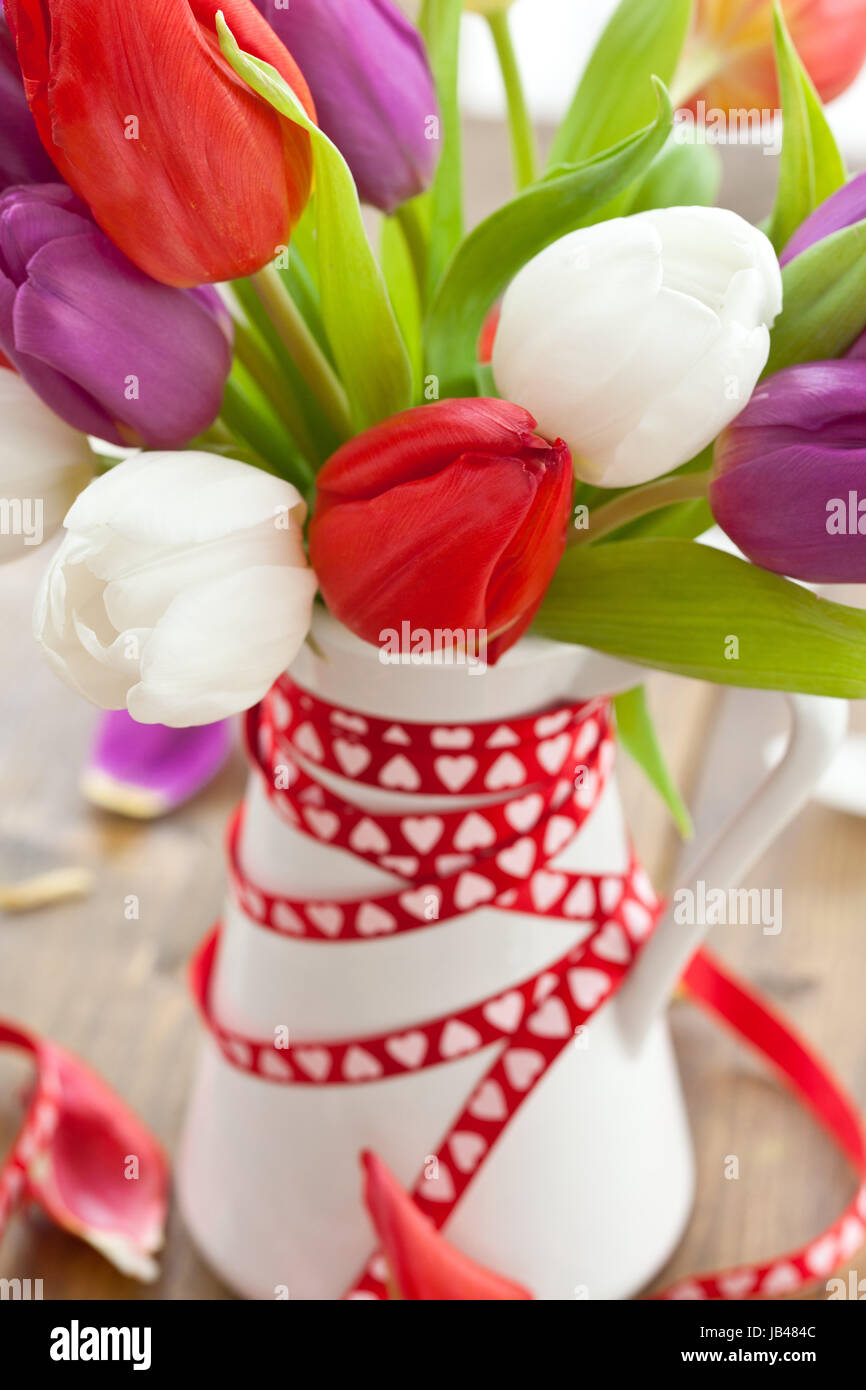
{"x":44,"y":464}
{"x":181,"y":589}
{"x":637,"y":340}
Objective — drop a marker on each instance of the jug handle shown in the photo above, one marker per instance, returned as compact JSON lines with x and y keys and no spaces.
{"x":818,"y":727}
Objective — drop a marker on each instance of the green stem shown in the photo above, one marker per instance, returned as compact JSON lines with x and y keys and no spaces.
{"x":305,"y":352}
{"x":260,"y":365}
{"x":417,"y":240}
{"x":246,"y":412}
{"x":256,"y":316}
{"x":682,"y":487}
{"x":241,"y":448}
{"x":523,"y":146}
{"x":219,"y":433}
{"x":221,"y":437}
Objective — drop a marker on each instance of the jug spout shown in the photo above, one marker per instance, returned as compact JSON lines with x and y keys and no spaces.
{"x":818,"y":727}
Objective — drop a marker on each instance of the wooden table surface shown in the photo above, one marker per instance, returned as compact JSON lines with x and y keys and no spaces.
{"x":113,"y":990}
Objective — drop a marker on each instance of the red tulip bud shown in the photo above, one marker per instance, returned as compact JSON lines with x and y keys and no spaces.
{"x":190,"y":173}
{"x":449,"y":517}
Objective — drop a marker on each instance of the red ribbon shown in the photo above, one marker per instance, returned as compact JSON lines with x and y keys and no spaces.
{"x":550,"y":769}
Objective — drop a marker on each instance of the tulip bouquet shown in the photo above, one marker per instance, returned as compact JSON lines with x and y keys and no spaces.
{"x":242,"y":395}
{"x":531,"y":422}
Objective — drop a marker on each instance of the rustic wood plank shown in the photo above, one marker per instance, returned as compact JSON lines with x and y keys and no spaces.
{"x":111,"y":989}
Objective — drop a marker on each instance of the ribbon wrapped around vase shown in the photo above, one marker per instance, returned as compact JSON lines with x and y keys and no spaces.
{"x":541,"y":778}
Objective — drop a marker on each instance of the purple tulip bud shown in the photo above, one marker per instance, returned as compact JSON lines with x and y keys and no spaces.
{"x":367,"y":69}
{"x":112,"y":351}
{"x":22,"y":154}
{"x":789,"y":474}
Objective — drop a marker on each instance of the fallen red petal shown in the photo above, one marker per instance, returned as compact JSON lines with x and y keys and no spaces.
{"x":423,"y":1263}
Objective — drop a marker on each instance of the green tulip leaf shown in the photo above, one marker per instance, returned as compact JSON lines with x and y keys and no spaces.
{"x":613,"y":99}
{"x":824,"y":304}
{"x":304,"y":242}
{"x":498,"y":247}
{"x":365,"y":339}
{"x":683,"y":607}
{"x":638,"y":737}
{"x":685,"y":174}
{"x":248,"y":414}
{"x":811,"y":167}
{"x":830,"y":171}
{"x":440,"y":24}
{"x":399,"y":272}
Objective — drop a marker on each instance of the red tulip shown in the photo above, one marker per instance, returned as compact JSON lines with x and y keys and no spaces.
{"x":487,"y":336}
{"x":87,"y":1160}
{"x":423,"y":1264}
{"x":190,"y":173}
{"x":449,"y":517}
{"x":731,"y":48}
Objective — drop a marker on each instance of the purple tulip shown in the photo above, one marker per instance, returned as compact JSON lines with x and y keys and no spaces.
{"x":146,"y":770}
{"x":789,"y":475}
{"x":22,"y":155}
{"x":842,"y":209}
{"x":113,"y":352}
{"x":367,"y":69}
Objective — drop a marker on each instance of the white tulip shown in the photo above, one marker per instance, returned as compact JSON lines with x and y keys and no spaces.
{"x":44,"y":464}
{"x":637,"y":340}
{"x":181,"y":589}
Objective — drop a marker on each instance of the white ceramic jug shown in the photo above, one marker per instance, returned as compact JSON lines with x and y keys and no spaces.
{"x":588,"y":1190}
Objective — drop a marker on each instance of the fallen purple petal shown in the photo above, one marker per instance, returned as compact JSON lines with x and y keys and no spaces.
{"x":146,"y":770}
